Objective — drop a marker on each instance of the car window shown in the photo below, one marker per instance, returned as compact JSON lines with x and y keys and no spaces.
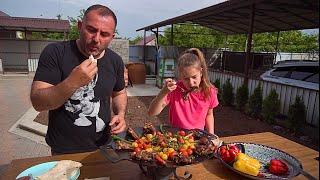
{"x":298,"y":75}
{"x":314,"y":78}
{"x":281,"y":72}
{"x":304,"y":72}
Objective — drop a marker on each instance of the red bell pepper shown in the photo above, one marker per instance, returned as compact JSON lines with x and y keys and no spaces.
{"x":229,"y":152}
{"x":278,"y":167}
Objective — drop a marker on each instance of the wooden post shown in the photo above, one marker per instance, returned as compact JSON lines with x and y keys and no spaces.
{"x":249,"y":41}
{"x":171,"y":42}
{"x":276,"y":48}
{"x":157,"y":48}
{"x":144,"y":47}
{"x":222,"y":64}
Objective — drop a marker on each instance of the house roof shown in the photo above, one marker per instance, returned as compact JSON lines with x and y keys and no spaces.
{"x":148,"y":39}
{"x":3,"y":14}
{"x":33,"y":24}
{"x":233,"y":16}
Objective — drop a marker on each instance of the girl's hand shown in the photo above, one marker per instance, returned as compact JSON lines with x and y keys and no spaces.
{"x":170,"y":84}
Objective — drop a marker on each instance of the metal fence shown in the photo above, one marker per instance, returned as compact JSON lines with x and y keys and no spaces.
{"x":15,"y":54}
{"x":287,"y":94}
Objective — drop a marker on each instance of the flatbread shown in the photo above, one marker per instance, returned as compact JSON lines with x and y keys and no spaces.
{"x":63,"y":170}
{"x":92,"y":59}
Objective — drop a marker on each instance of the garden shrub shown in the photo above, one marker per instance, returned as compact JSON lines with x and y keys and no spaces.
{"x":297,"y":115}
{"x":242,"y":97}
{"x":271,"y":107}
{"x":217,"y":85}
{"x":255,"y":102}
{"x":227,"y":93}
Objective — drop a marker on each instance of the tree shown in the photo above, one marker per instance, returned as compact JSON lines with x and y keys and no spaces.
{"x":192,"y":36}
{"x":135,"y":40}
{"x":74,"y":33}
{"x":202,"y":37}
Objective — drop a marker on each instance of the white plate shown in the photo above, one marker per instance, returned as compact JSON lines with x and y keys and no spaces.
{"x":42,"y":168}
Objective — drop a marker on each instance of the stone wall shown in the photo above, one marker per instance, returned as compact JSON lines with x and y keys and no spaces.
{"x":121,"y":46}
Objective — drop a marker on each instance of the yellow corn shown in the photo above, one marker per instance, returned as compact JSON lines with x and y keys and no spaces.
{"x":250,"y":160}
{"x":245,"y":167}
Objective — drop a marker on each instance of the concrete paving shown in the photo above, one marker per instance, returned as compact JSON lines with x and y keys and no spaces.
{"x":21,"y":137}
{"x":14,"y":98}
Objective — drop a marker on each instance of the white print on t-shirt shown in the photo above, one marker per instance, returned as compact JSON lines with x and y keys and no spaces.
{"x":86,"y":107}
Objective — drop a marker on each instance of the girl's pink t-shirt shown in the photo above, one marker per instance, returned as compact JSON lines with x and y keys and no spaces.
{"x":190,"y":113}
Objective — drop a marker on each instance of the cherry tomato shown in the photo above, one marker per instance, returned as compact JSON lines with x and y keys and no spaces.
{"x":163,"y":144}
{"x":134,"y":144}
{"x":171,"y":155}
{"x":189,"y":151}
{"x":180,"y":140}
{"x":137,"y":150}
{"x":182,"y":149}
{"x":182,"y":133}
{"x":185,"y":153}
{"x":191,"y":139}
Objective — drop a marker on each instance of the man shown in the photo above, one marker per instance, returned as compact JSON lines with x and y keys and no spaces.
{"x":76,"y":89}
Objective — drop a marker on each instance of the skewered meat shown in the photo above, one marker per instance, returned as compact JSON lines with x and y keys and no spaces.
{"x":148,"y":128}
{"x":204,"y":150}
{"x":196,"y":134}
{"x":182,"y":160}
{"x":204,"y":141}
{"x":133,"y":133}
{"x":123,"y":145}
{"x":143,"y":155}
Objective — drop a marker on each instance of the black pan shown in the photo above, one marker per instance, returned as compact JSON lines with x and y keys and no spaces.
{"x":115,"y":155}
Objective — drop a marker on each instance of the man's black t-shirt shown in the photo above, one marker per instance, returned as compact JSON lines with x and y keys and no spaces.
{"x":82,"y":123}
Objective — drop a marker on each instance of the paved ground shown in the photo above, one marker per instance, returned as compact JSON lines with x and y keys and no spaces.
{"x":14,"y":98}
{"x":16,"y":111}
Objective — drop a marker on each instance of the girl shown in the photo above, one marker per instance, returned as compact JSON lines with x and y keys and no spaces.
{"x":191,"y":100}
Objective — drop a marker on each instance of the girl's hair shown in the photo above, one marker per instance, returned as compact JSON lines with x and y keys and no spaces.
{"x":194,"y":57}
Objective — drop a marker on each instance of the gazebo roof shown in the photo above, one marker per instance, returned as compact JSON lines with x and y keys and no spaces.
{"x":233,"y":17}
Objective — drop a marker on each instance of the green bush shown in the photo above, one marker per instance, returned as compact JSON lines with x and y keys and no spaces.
{"x":217,"y":85}
{"x":255,"y":102}
{"x":227,"y":93}
{"x":297,"y":115}
{"x":242,"y":97}
{"x":271,"y":107}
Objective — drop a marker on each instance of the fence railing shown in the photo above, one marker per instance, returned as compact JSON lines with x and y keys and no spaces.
{"x":32,"y":65}
{"x":287,"y":94}
{"x":1,"y":69}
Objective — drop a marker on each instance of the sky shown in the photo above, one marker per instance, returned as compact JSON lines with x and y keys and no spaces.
{"x":131,"y":14}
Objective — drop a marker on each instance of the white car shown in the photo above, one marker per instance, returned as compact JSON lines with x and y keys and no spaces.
{"x":303,"y":74}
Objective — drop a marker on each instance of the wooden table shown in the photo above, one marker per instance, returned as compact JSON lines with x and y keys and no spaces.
{"x":95,"y":164}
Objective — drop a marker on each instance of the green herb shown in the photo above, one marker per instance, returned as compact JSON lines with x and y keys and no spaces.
{"x":117,"y":138}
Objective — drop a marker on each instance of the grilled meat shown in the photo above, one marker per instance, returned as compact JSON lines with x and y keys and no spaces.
{"x":148,"y":128}
{"x":123,"y":145}
{"x":182,"y":160}
{"x":204,"y":150}
{"x":143,"y":155}
{"x":132,"y":133}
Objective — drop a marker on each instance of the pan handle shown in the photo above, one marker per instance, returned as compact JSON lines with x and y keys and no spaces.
{"x":112,"y":155}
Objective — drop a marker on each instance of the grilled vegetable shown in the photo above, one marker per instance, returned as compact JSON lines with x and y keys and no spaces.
{"x":246,"y":167}
{"x":228,"y":153}
{"x":254,"y":162}
{"x":247,"y":164}
{"x":278,"y":167}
